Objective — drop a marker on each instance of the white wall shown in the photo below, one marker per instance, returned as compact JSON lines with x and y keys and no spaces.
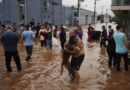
{"x":83,"y":14}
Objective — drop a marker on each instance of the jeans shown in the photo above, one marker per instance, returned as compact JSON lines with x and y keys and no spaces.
{"x":62,"y":44}
{"x":29,"y":52}
{"x":103,"y":42}
{"x":118,"y":58}
{"x":8,"y":56}
{"x":49,"y":44}
{"x":112,"y":59}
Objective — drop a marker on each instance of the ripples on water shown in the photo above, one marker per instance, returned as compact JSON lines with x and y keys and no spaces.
{"x":43,"y":72}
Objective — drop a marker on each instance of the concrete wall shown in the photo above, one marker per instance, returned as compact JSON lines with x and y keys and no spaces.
{"x":69,"y":19}
{"x":10,"y":11}
{"x":1,"y":12}
{"x":86,"y":17}
{"x":55,"y":13}
{"x":67,"y":16}
{"x":90,"y":17}
{"x":36,"y":9}
{"x":33,"y":10}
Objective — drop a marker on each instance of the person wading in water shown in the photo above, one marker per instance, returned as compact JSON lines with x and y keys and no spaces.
{"x":75,"y":47}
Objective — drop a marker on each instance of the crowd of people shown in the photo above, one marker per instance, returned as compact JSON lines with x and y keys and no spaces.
{"x":117,"y":46}
{"x":72,"y":48}
{"x":30,"y":34}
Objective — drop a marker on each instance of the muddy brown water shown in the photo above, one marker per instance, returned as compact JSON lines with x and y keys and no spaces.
{"x":43,"y":71}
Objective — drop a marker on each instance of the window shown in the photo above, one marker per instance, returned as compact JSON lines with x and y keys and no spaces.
{"x":116,"y":2}
{"x":121,"y":2}
{"x":75,"y":13}
{"x":127,"y":2}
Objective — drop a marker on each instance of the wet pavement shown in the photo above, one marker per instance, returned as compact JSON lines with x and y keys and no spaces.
{"x":43,"y":71}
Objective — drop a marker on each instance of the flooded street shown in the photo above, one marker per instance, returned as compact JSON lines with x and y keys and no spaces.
{"x":43,"y":71}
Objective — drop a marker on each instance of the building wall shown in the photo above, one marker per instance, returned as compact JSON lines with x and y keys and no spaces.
{"x":67,"y":16}
{"x":33,"y":10}
{"x":37,"y":10}
{"x":57,"y":12}
{"x":10,"y":11}
{"x":86,"y":17}
{"x":54,"y":13}
{"x":14,"y":11}
{"x":1,"y":12}
{"x":122,"y":11}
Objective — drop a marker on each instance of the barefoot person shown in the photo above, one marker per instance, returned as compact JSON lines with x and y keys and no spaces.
{"x":10,"y":40}
{"x":67,"y":53}
{"x":77,"y":55}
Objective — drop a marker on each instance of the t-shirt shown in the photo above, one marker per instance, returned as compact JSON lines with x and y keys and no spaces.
{"x":28,"y":36}
{"x":79,"y":33}
{"x":111,"y":31}
{"x":37,"y":29}
{"x":49,"y":35}
{"x":42,"y":34}
{"x":104,"y":33}
{"x":63,"y":36}
{"x":119,"y":38}
{"x":111,"y":44}
{"x":10,"y":40}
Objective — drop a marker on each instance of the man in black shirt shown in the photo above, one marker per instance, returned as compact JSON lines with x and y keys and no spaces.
{"x":103,"y":36}
{"x":10,"y":40}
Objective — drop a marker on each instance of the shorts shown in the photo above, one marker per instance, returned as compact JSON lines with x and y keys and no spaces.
{"x":76,"y":62}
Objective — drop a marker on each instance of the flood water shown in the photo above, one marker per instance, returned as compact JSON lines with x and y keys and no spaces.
{"x":43,"y":71}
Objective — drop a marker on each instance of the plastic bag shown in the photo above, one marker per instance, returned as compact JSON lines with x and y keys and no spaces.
{"x":55,"y":42}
